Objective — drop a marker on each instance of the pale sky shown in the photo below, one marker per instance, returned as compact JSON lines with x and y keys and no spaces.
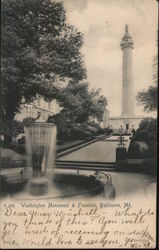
{"x":103,"y":23}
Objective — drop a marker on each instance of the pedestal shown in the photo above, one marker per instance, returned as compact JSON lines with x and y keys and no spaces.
{"x":121,"y":154}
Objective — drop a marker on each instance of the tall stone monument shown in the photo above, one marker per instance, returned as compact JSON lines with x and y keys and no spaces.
{"x":127,"y":75}
{"x":128,"y":119}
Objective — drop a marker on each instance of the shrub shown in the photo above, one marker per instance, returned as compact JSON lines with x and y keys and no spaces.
{"x":80,"y":134}
{"x":150,"y":166}
{"x":147,"y":132}
{"x":9,"y":129}
{"x":134,"y":151}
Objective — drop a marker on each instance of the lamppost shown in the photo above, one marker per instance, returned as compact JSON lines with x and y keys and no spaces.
{"x":121,"y":150}
{"x":121,"y":143}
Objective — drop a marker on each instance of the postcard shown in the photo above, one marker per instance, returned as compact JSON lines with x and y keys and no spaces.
{"x":78,"y":128}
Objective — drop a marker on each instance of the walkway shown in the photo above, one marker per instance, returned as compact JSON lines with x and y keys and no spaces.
{"x":100,"y":151}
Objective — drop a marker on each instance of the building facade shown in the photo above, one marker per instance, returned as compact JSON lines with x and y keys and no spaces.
{"x":105,"y":122}
{"x":45,"y":109}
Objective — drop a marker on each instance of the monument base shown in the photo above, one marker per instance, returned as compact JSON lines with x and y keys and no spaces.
{"x":127,"y":123}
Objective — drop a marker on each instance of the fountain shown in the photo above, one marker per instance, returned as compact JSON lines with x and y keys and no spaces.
{"x":44,"y":180}
{"x":40,"y":147}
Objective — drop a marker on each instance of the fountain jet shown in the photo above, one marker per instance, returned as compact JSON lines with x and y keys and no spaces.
{"x":41,"y":148}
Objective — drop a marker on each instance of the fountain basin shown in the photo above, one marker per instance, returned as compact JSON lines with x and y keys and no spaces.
{"x":63,"y":184}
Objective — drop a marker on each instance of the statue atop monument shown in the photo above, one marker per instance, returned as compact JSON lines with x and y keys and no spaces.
{"x":127,"y":40}
{"x":126,"y":29}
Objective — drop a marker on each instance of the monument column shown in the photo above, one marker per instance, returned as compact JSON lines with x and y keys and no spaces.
{"x":127,"y":75}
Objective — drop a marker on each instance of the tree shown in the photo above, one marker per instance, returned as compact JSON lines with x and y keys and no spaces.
{"x":39,"y":47}
{"x":40,"y":52}
{"x":80,"y":106}
{"x":149,"y":97}
{"x":147,"y":130}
